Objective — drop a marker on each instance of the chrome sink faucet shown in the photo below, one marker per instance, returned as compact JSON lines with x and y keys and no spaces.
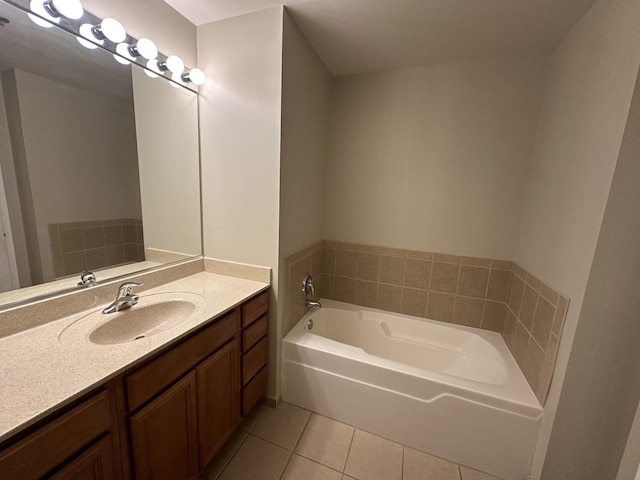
{"x":124,"y":299}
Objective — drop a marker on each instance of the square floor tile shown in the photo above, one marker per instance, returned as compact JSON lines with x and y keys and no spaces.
{"x":470,"y":474}
{"x":326,"y":441}
{"x":283,"y":425}
{"x":301,"y":468}
{"x":224,"y":456}
{"x":420,"y":465}
{"x":256,"y":460}
{"x":250,"y":421}
{"x":374,"y":458}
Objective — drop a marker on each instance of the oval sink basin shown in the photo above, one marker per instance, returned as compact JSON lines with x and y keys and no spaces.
{"x":153,"y":314}
{"x":140,"y":322}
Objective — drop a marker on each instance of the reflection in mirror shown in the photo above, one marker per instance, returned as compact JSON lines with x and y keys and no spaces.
{"x":99,"y":166}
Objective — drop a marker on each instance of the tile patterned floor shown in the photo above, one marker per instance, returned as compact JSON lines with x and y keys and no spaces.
{"x":290,"y":443}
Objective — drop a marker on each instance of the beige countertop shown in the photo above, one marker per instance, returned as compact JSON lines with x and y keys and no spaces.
{"x":39,"y":372}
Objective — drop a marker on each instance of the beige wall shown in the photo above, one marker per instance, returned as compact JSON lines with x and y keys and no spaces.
{"x":433,"y":158}
{"x":78,"y":146}
{"x":240,"y":108}
{"x":166,"y":122}
{"x":155,"y":19}
{"x":585,"y":107}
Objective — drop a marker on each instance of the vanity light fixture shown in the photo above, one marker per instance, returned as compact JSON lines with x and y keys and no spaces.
{"x":195,"y":76}
{"x":173,"y":63}
{"x":66,"y":8}
{"x":177,"y":78}
{"x":87,"y":39}
{"x":153,"y":70}
{"x":144,"y":48}
{"x":123,"y":56}
{"x":111,"y":29}
{"x":37,"y":7}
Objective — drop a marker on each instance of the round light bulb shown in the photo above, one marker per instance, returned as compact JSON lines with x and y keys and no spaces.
{"x":153,"y":69}
{"x":113,"y":30}
{"x":175,"y":64}
{"x":68,"y":8}
{"x":147,"y":49}
{"x":122,"y":49}
{"x":87,"y":38}
{"x":38,"y":8}
{"x":196,"y":76}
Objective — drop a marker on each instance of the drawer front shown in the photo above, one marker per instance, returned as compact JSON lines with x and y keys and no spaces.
{"x":255,"y":332}
{"x":52,"y":444}
{"x":255,"y":308}
{"x":145,"y":382}
{"x":254,"y":391}
{"x":254,"y":360}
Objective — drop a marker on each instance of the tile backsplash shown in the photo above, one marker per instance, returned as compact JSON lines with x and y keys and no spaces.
{"x":485,"y":293}
{"x":91,"y":245}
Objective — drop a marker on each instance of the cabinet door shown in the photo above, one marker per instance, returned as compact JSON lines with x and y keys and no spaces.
{"x":218,"y":400}
{"x":94,"y":464}
{"x":163,"y":435}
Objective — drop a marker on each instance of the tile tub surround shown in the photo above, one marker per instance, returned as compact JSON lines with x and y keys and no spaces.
{"x":79,"y":246}
{"x":492,"y":294}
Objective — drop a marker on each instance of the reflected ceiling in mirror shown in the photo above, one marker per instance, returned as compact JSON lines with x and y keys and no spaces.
{"x":99,"y":164}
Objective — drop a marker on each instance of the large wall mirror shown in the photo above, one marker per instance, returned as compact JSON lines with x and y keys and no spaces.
{"x":99,"y":163}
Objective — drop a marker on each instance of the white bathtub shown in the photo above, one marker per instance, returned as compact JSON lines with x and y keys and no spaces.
{"x":453,"y":391}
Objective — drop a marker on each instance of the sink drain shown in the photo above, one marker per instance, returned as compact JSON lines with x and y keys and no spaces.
{"x":139,"y":337}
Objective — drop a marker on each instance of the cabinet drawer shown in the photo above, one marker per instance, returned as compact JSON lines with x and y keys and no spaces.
{"x":145,"y":382}
{"x":254,"y":391}
{"x":255,"y":308}
{"x":46,"y":448}
{"x":255,"y":332}
{"x":254,"y":360}
{"x":96,"y":463}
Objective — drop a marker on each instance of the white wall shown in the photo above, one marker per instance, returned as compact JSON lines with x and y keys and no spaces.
{"x":166,"y":122}
{"x":240,"y":109}
{"x":587,"y":98}
{"x":306,"y":87}
{"x":433,"y":158}
{"x":78,"y":146}
{"x":155,"y":19}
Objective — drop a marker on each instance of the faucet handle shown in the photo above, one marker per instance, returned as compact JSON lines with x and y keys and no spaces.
{"x":126,"y":288}
{"x":307,"y":286}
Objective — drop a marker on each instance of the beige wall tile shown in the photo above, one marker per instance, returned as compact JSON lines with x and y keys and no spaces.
{"x":561,"y":313}
{"x":528,"y":309}
{"x":521,"y":272}
{"x":472,"y":281}
{"x":502,"y":265}
{"x":444,"y":277}
{"x":94,"y":237}
{"x":370,"y":249}
{"x":417,"y":273}
{"x":366,"y":293}
{"x":328,"y":259}
{"x":316,"y":263}
{"x":414,"y":302}
{"x":533,"y":363}
{"x":549,"y":293}
{"x":296,"y":277}
{"x":128,"y":233}
{"x":533,"y":282}
{"x":499,"y":285}
{"x":72,"y":240}
{"x":468,"y":311}
{"x":543,"y":322}
{"x":368,"y":267}
{"x":392,"y":270}
{"x":446,"y":258}
{"x":475,"y":261}
{"x":520,"y":344}
{"x":420,"y":466}
{"x":113,"y":235}
{"x":352,"y":247}
{"x":440,"y":307}
{"x":374,"y":458}
{"x":96,"y":258}
{"x":326,"y":441}
{"x":509,"y":331}
{"x":329,"y":244}
{"x":515,"y":295}
{"x":140,"y":234}
{"x":115,"y":254}
{"x":327,"y":285}
{"x":305,"y":266}
{"x":344,"y":289}
{"x":389,"y":298}
{"x":494,"y":316}
{"x":346,"y":263}
{"x":416,"y":255}
{"x":74,"y":262}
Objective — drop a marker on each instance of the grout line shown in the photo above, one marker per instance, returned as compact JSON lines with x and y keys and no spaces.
{"x":232,"y":456}
{"x":353,"y":436}
{"x":402,"y":462}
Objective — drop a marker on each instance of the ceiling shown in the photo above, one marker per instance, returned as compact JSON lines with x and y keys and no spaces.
{"x":357,"y":36}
